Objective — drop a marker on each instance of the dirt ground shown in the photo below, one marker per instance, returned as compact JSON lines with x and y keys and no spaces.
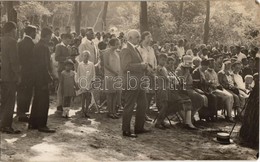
{"x":100,"y":139}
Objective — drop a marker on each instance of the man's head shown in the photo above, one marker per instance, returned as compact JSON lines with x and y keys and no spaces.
{"x":46,"y":34}
{"x":90,"y":33}
{"x":196,"y":62}
{"x":66,"y":38}
{"x":133,"y":36}
{"x":211,"y":63}
{"x":30,"y":31}
{"x":98,"y":35}
{"x":68,"y":29}
{"x":204,"y":65}
{"x":227,"y":64}
{"x":26,"y":23}
{"x":162,"y":59}
{"x":57,"y":32}
{"x":9,"y":28}
{"x":181,"y":43}
{"x":146,"y":37}
{"x":237,"y":66}
{"x":83,"y":32}
{"x":114,"y":43}
{"x":238,"y":49}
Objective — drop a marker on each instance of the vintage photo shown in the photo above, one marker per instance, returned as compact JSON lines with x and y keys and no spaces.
{"x":85,"y":81}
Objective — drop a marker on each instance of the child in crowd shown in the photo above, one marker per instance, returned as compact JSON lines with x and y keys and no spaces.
{"x":68,"y":86}
{"x":162,"y":92}
{"x":85,"y":76}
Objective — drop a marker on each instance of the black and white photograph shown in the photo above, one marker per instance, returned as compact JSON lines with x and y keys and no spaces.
{"x":84,"y":81}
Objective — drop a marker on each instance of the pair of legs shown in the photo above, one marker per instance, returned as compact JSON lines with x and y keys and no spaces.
{"x":111,"y":104}
{"x":133,"y":97}
{"x":24,"y":97}
{"x":198,"y":101}
{"x":85,"y":100}
{"x":66,"y":105}
{"x":226,"y":99}
{"x":8,"y":90}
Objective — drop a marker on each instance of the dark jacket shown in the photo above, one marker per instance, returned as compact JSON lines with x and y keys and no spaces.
{"x":198,"y":80}
{"x":25,"y":52}
{"x":42,"y":66}
{"x":61,"y":55}
{"x":131,"y":62}
{"x":10,"y":70}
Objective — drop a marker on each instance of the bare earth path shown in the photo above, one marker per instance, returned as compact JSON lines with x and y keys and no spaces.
{"x":100,"y":139}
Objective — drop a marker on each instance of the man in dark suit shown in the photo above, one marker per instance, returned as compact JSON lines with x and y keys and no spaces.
{"x":133,"y":70}
{"x":10,"y":75}
{"x":41,"y":100}
{"x":56,"y":37}
{"x":25,"y":89}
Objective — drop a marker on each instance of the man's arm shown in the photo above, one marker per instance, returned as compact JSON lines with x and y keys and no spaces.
{"x":126,"y":64}
{"x":14,"y":59}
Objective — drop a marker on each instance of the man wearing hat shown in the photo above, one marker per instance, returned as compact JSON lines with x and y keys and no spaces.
{"x":218,"y":57}
{"x":25,"y":89}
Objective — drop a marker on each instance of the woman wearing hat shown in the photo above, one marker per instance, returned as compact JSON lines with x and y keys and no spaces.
{"x":183,"y":71}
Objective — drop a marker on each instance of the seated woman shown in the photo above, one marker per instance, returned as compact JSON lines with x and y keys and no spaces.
{"x":198,"y":98}
{"x":239,"y":83}
{"x":176,"y":94}
{"x":226,"y":80}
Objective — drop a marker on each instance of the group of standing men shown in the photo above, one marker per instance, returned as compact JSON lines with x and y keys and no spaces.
{"x":25,"y":70}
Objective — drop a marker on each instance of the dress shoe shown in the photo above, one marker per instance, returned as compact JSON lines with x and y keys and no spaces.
{"x":23,"y":119}
{"x":129,"y":134}
{"x":159,"y":126}
{"x":142,"y":131}
{"x":147,"y":118}
{"x":46,"y":130}
{"x":32,"y":127}
{"x":230,"y":120}
{"x":59,"y":108}
{"x":10,"y":130}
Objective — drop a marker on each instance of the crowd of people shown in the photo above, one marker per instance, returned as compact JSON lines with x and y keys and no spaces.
{"x":127,"y":71}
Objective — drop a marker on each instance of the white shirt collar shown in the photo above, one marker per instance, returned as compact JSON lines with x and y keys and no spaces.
{"x":63,"y":44}
{"x":28,"y":36}
{"x":134,"y":46}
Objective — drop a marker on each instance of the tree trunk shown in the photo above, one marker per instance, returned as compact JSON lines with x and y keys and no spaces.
{"x":143,"y":17}
{"x":206,"y":25}
{"x":104,"y":16}
{"x":77,"y":16}
{"x":11,"y":13}
{"x":180,"y":17}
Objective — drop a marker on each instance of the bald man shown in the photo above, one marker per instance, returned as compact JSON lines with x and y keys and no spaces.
{"x":133,"y":70}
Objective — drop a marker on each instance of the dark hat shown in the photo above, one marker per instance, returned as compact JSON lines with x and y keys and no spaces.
{"x":69,"y":61}
{"x":205,"y":62}
{"x":215,"y":56}
{"x":236,"y":62}
{"x":29,"y":29}
{"x":163,"y":55}
{"x":171,"y":58}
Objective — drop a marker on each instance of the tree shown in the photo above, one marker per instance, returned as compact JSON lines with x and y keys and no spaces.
{"x":104,"y":16}
{"x":11,"y":12}
{"x":206,"y":25}
{"x":143,"y":17}
{"x":77,"y":13}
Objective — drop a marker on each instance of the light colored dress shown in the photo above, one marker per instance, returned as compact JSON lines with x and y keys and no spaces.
{"x":85,"y":76}
{"x":113,"y":60}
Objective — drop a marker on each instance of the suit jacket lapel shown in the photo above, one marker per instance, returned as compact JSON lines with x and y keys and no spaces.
{"x":135,"y":51}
